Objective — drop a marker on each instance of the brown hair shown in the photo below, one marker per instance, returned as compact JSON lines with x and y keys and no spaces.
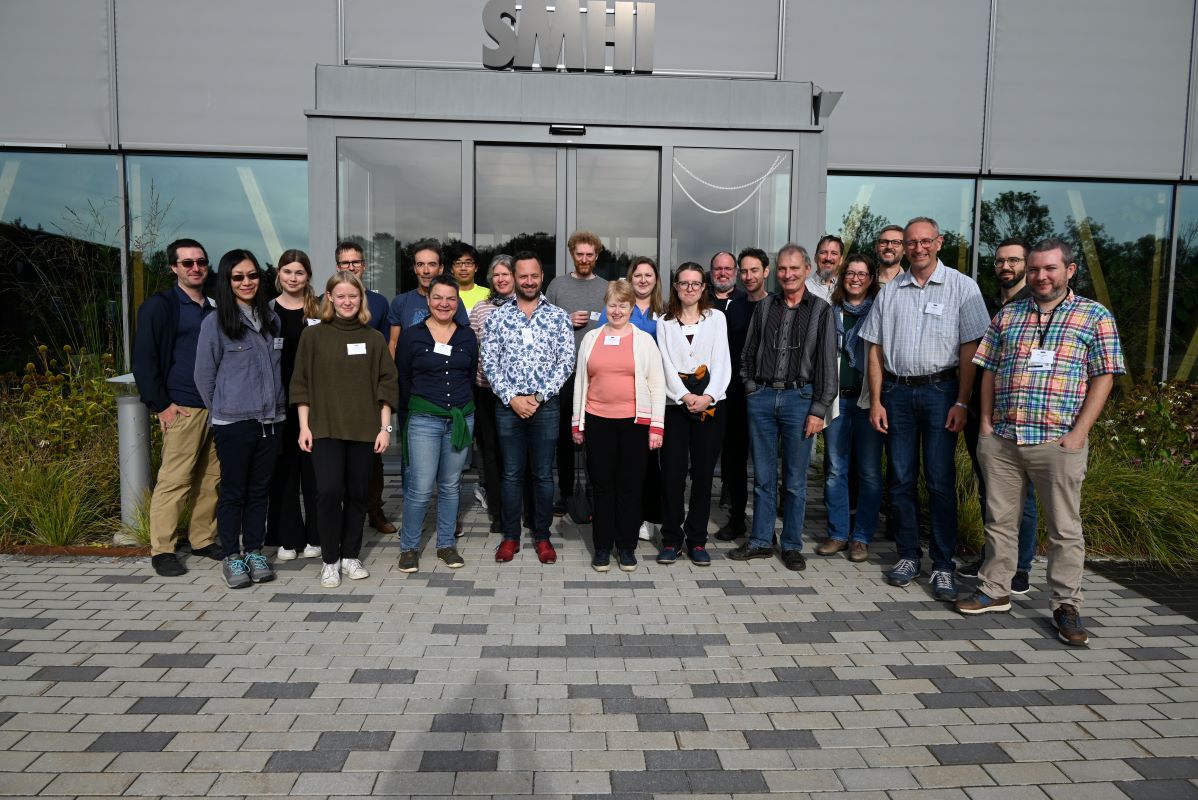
{"x":583,"y":237}
{"x":328,"y":313}
{"x":311,"y":304}
{"x":838,"y":294}
{"x":675,"y":307}
{"x":656,"y":306}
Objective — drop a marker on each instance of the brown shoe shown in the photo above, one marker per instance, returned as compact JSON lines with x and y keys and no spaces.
{"x":858,"y":552}
{"x":831,"y":547}
{"x":380,"y":523}
{"x":1070,"y":629}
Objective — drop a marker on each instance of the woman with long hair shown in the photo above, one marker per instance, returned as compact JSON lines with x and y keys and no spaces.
{"x":289,"y":527}
{"x":239,"y":376}
{"x":502,"y":280}
{"x":344,"y":388}
{"x":693,"y":339}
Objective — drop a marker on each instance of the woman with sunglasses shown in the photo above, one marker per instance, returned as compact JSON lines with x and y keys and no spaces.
{"x":239,"y":376}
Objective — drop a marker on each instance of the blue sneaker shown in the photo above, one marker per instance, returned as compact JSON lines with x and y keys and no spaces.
{"x":601,"y":561}
{"x":699,"y":556}
{"x":944,"y":588}
{"x":903,"y":572}
{"x":627,"y":560}
{"x":668,"y":555}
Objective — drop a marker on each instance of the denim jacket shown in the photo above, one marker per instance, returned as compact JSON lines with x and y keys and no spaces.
{"x":241,"y":379}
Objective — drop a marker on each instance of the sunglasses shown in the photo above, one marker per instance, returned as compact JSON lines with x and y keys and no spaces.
{"x":253,"y":276}
{"x":188,"y":263}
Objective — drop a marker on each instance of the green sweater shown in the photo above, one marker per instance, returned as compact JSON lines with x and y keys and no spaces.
{"x":344,"y":372}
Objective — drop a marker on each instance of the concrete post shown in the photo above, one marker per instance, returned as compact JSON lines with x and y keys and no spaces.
{"x":133,"y":426}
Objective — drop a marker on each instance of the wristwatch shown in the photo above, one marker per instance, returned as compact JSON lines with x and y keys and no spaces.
{"x":539,"y":397}
{"x":387,"y":428}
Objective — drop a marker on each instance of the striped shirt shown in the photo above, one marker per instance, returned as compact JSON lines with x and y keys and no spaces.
{"x":1037,"y":406}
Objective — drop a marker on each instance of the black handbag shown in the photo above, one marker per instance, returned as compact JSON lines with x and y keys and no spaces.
{"x":580,"y":507}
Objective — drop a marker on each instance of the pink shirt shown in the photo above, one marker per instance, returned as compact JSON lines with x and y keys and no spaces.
{"x":611,"y":375}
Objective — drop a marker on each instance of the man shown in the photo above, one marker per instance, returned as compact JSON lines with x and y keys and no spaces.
{"x":1050,"y":361}
{"x":580,"y":294}
{"x":164,"y":353}
{"x":350,"y":258}
{"x":463,"y":260}
{"x":1010,"y":267}
{"x":528,"y":356}
{"x":828,"y":252}
{"x":789,"y":370}
{"x":924,"y":328}
{"x":754,"y":270}
{"x":734,"y":455}
{"x":889,"y":252}
{"x":411,"y":307}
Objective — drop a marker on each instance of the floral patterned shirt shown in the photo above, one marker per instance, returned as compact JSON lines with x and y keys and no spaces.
{"x":523,"y":355}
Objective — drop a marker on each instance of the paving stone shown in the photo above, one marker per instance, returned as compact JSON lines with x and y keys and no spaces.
{"x":682,"y":759}
{"x":459,"y":761}
{"x":979,"y":753}
{"x":173,"y":660}
{"x":1158,"y":790}
{"x":167,"y":705}
{"x":280,"y":691}
{"x":383,"y":676}
{"x":301,"y":761}
{"x":460,"y":629}
{"x":128,"y":742}
{"x":1165,"y":768}
{"x":333,"y":616}
{"x":635,"y":705}
{"x":355,"y":740}
{"x":671,"y":722}
{"x":147,"y":636}
{"x":118,"y":579}
{"x":80,"y":674}
{"x":470,"y":723}
{"x":330,"y":598}
{"x":26,"y":623}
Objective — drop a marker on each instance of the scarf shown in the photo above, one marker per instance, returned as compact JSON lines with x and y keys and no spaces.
{"x":854,"y":345}
{"x":459,"y":436}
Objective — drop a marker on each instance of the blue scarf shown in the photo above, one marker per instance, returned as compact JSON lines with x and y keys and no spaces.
{"x":854,"y":345}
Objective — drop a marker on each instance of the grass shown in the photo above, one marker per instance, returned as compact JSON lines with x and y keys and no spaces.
{"x":55,"y":503}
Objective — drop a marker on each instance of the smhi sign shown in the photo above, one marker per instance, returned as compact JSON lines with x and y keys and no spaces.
{"x":558,"y":35}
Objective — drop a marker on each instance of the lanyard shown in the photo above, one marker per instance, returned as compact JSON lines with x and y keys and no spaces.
{"x":1043,"y":334}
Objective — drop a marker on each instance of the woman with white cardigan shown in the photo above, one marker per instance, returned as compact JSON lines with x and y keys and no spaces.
{"x":693,"y":339}
{"x":619,"y":400}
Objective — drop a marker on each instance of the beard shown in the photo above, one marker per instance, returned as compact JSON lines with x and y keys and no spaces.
{"x":723,"y":287}
{"x":526,"y":294}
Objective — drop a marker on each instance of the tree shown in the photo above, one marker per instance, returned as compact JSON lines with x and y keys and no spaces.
{"x":1014,"y":214}
{"x":860,"y":227}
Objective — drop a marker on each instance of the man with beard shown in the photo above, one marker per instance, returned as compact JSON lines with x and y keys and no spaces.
{"x":828,"y":252}
{"x":889,"y":252}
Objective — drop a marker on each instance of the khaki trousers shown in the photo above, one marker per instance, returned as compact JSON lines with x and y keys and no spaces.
{"x":189,"y":469}
{"x":1057,"y":474}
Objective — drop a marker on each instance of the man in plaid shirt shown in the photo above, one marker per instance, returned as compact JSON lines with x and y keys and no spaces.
{"x":1050,"y":362}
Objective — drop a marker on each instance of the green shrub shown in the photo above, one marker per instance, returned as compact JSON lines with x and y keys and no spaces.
{"x":56,"y":503}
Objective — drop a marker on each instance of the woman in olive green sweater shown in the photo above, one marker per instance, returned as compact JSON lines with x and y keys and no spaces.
{"x":344,"y":387}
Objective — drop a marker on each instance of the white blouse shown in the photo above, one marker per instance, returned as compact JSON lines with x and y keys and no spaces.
{"x":709,"y":345}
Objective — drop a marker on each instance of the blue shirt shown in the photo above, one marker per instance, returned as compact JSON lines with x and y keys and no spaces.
{"x":411,"y":308}
{"x":525,"y":356}
{"x":645,"y":320}
{"x":376,"y":304}
{"x":180,"y":380}
{"x":445,"y":380}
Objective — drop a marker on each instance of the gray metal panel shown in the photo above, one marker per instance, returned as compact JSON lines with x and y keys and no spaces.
{"x":221,"y":74}
{"x":715,"y":37}
{"x":54,"y":76}
{"x":542,"y":100}
{"x":457,"y":94}
{"x":353,"y":90}
{"x":444,"y":33}
{"x":914,"y":81}
{"x":1090,"y":87}
{"x":690,"y":102}
{"x":759,"y":104}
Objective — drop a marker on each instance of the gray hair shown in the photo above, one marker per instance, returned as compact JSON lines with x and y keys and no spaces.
{"x":791,"y":247}
{"x":928,"y":220}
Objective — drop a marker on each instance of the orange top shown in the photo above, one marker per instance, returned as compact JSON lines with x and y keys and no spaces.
{"x":611,"y":375}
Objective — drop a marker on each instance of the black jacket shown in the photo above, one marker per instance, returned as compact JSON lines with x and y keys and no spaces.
{"x":817,"y":351}
{"x":738,"y":310}
{"x":154,"y":347}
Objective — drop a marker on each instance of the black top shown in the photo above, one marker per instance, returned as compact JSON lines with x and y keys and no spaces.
{"x":155,"y":345}
{"x":738,"y":310}
{"x":797,"y":345}
{"x":291,"y":325}
{"x":447,"y":381}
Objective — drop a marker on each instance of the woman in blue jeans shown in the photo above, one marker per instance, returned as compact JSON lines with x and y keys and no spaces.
{"x":437,"y":360}
{"x":851,"y":443}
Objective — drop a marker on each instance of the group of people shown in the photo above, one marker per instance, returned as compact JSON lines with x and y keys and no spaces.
{"x":656,"y":383}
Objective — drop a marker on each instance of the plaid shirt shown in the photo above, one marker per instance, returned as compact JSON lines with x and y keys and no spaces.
{"x":1035,"y":407}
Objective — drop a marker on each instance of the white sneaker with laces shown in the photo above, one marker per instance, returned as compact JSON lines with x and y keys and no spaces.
{"x":283,"y":554}
{"x":354,"y":569}
{"x":330,"y":576}
{"x":480,"y":495}
{"x":311,"y":551}
{"x":646,"y":532}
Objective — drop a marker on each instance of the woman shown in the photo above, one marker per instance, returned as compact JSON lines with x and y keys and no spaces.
{"x":502,"y":281}
{"x":237,"y":372}
{"x":344,"y":388}
{"x":619,"y":391}
{"x":292,"y":530}
{"x":438,"y":360}
{"x":646,"y":311}
{"x":851,"y":443}
{"x":693,"y":339}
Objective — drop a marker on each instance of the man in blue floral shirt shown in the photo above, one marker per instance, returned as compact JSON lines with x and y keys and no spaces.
{"x":527,"y":355}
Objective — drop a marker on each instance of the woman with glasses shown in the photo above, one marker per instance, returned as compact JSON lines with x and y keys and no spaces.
{"x":293,"y":530}
{"x":850,"y":442}
{"x":344,"y":388}
{"x":619,"y":399}
{"x":693,"y":339}
{"x":238,"y":374}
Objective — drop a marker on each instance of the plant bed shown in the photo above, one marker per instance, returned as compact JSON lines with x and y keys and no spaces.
{"x":97,"y":550}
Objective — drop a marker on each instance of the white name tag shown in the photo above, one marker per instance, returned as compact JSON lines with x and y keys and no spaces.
{"x":611,"y":340}
{"x":526,"y":335}
{"x":1041,"y":360}
{"x":594,"y":316}
{"x":312,"y":321}
{"x":442,"y":349}
{"x":278,"y":343}
{"x":690,"y":330}
{"x":355,"y":349}
{"x":935,"y":309}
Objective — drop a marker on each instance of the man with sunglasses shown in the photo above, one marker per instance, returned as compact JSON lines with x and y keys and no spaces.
{"x":164,"y":354}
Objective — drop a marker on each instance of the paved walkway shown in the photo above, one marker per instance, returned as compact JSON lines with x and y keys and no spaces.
{"x":521,"y":679}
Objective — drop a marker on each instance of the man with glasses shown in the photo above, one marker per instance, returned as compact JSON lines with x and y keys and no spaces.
{"x":463,"y":261}
{"x":889,"y":252}
{"x":923,"y":330}
{"x":789,"y":371}
{"x":164,"y":354}
{"x":580,"y":294}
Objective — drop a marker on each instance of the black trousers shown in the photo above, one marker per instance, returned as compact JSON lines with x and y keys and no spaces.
{"x":689,"y":446}
{"x":487,"y":437}
{"x":734,"y":457}
{"x":247,"y":452}
{"x":565,"y":441}
{"x":617,"y":450}
{"x":342,"y":483}
{"x":287,"y":525}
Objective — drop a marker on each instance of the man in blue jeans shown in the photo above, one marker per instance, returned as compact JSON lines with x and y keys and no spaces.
{"x":527,"y":355}
{"x":923,"y":330}
{"x":789,"y":370}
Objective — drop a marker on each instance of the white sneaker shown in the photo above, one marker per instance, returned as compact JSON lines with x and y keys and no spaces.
{"x":354,"y":569}
{"x":330,"y":576}
{"x":311,"y":551}
{"x":283,"y":554}
{"x":480,"y":495}
{"x":646,"y":532}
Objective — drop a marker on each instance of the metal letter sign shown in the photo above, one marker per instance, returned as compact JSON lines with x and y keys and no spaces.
{"x":557,"y":34}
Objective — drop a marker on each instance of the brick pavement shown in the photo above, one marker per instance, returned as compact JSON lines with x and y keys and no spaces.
{"x":522,"y":680}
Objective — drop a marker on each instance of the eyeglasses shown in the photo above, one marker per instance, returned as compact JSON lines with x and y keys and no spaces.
{"x":353,"y":263}
{"x":188,"y":263}
{"x":924,"y":243}
{"x":253,"y":276}
{"x":689,"y":285}
{"x":1014,"y":261}
{"x":854,"y":274}
{"x":890,"y":243}
{"x":465,"y":262}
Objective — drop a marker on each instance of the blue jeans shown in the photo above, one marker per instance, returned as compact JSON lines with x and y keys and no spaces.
{"x":779,"y":414}
{"x":531,"y":442}
{"x":432,"y":463}
{"x":853,"y":445}
{"x":916,"y":416}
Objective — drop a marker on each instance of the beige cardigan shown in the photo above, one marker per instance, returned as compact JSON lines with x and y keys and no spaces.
{"x":650,"y":381}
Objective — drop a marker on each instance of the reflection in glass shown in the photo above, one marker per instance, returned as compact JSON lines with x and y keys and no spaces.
{"x":859,"y":206}
{"x":60,"y":262}
{"x":729,"y":200}
{"x":617,"y":194}
{"x":1119,"y":232}
{"x":391,"y":194}
{"x":515,"y":203}
{"x":1183,"y":341}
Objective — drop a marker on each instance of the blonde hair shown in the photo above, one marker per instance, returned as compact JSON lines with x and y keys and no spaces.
{"x":619,"y":290}
{"x":328,"y":313}
{"x":311,"y":305}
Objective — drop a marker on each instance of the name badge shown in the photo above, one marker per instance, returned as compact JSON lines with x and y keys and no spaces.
{"x":278,"y":343}
{"x":312,"y":321}
{"x":609,"y":341}
{"x":442,"y":349}
{"x":526,"y":335}
{"x":935,"y":309}
{"x":594,"y":316}
{"x":1041,"y":360}
{"x":355,"y":348}
{"x":690,"y":330}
